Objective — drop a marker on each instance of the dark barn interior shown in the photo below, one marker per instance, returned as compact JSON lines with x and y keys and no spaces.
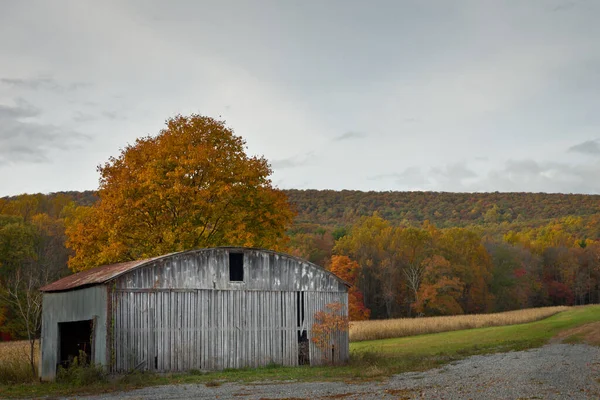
{"x":75,"y":336}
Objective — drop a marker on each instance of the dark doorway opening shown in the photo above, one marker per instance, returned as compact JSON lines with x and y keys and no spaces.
{"x":75,"y":340}
{"x":236,"y":267}
{"x":303,"y":345}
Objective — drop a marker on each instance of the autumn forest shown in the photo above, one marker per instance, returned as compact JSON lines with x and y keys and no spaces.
{"x":406,"y":253}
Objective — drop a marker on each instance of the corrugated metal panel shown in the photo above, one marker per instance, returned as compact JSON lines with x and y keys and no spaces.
{"x":78,"y":305}
{"x":186,"y":269}
{"x":93,"y":276}
{"x":209,"y":269}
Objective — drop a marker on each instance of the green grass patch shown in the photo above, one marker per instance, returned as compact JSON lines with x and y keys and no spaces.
{"x":481,"y":340}
{"x":574,"y":339}
{"x":376,"y":359}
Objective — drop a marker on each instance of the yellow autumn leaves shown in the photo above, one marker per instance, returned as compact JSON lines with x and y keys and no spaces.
{"x":192,"y":186}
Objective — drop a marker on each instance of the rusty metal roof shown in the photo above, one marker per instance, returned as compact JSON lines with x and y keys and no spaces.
{"x":94,"y":276}
{"x":104,"y":273}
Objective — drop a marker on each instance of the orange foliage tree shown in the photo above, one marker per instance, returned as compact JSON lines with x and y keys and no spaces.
{"x":441,"y":291}
{"x":348,"y":270}
{"x":333,"y":320}
{"x":371,"y":242}
{"x":190,"y":186}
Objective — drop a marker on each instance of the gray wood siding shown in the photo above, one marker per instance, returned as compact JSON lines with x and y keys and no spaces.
{"x":209,"y":269}
{"x":75,"y":305}
{"x":338,"y":350}
{"x":178,"y":330}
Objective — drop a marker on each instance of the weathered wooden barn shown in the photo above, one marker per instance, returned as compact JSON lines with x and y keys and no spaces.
{"x":205,"y":309}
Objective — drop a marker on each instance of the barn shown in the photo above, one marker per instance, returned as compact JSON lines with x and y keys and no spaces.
{"x":206,"y":309}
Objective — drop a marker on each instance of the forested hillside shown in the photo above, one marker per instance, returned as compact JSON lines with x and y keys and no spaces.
{"x":332,"y":208}
{"x":341,"y":208}
{"x":406,"y":253}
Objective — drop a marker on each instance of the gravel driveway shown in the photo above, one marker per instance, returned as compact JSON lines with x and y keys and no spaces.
{"x":556,"y":371}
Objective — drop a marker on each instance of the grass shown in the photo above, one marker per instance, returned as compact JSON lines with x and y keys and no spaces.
{"x":375,"y":359}
{"x":588,"y":333}
{"x":401,"y":327}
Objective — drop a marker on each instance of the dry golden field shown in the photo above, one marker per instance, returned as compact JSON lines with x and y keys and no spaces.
{"x":392,"y":328}
{"x":14,"y":361}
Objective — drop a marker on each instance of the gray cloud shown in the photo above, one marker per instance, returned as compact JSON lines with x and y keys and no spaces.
{"x":567,"y":5}
{"x":25,"y":141}
{"x":524,"y":175}
{"x":21,"y":110}
{"x":533,"y":176}
{"x":43,"y":83}
{"x":292,"y":162}
{"x":112,"y":115}
{"x":453,"y":172}
{"x":591,"y":147}
{"x":88,"y":117}
{"x":84,"y":117}
{"x":445,"y":177}
{"x":410,"y":177}
{"x":349,"y":135}
{"x":453,"y":176}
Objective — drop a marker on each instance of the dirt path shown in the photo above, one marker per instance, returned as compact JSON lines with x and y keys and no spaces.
{"x":555,"y":371}
{"x":588,"y":333}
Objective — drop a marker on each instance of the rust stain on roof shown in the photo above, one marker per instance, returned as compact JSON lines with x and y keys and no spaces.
{"x":94,"y":276}
{"x":105,"y":273}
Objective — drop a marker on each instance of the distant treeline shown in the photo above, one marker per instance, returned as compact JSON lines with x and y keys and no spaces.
{"x":343,"y":208}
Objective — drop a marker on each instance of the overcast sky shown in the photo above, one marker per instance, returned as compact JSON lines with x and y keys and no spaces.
{"x":369,"y":95}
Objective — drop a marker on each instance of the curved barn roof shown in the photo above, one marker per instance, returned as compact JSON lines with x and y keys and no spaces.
{"x":105,"y":273}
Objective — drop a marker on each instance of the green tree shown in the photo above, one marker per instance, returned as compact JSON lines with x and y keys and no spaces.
{"x":32,"y":254}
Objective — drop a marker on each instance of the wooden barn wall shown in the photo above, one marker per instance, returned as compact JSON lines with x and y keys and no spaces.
{"x":338,"y":350}
{"x":76,"y":305}
{"x":209,"y":269}
{"x":182,"y":329}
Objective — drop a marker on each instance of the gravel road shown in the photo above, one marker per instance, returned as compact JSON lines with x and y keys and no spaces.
{"x":556,"y":371}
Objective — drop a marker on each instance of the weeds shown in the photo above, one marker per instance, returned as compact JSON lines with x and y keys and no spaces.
{"x":135,"y":379}
{"x":14,"y":363}
{"x":16,"y":371}
{"x":272,"y":365}
{"x":81,"y":373}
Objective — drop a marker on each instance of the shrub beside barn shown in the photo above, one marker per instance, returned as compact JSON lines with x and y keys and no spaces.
{"x":206,"y":309}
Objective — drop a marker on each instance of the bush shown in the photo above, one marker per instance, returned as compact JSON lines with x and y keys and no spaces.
{"x":80,"y":372}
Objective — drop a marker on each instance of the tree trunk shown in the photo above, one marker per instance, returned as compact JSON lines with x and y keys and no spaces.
{"x":32,"y":355}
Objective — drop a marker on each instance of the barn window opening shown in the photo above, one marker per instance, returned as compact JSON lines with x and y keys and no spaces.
{"x":236,"y":267}
{"x":75,"y":340}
